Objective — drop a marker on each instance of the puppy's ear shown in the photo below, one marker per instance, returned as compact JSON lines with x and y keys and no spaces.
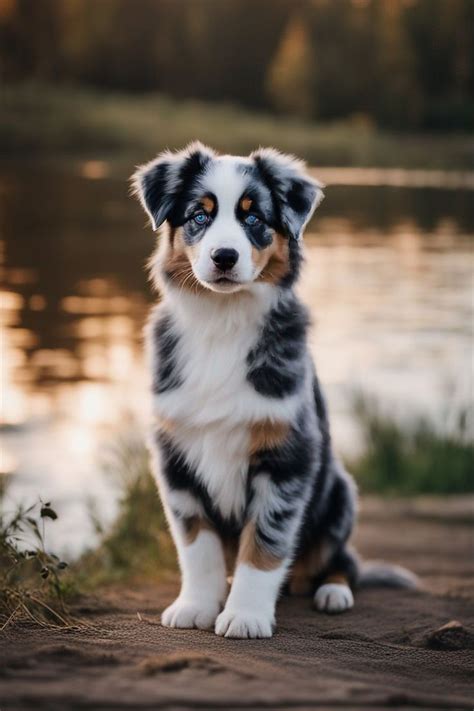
{"x":159,"y":183}
{"x":296,"y":195}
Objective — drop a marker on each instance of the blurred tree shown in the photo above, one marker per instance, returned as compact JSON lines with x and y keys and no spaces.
{"x":443,"y":34}
{"x":291,"y":76}
{"x":397,"y":101}
{"x":400,"y":63}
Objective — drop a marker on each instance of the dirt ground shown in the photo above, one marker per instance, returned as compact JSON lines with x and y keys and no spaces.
{"x":389,"y":651}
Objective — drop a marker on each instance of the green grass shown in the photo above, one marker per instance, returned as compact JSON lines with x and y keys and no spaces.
{"x":138,"y":544}
{"x":55,"y":121}
{"x":413,"y":457}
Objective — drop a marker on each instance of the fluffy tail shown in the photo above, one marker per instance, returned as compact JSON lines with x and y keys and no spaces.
{"x":377,"y":574}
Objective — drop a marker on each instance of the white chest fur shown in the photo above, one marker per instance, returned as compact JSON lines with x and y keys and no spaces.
{"x":214,"y":406}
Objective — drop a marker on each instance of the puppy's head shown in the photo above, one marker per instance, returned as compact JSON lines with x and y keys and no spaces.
{"x":232,"y":221}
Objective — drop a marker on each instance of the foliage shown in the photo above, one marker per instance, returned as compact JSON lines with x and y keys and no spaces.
{"x":413,"y":456}
{"x":137,"y":544}
{"x":32,"y":581}
{"x":403,"y":65}
{"x":56,"y":121}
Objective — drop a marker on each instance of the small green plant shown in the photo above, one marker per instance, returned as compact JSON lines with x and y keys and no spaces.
{"x":31,"y":577}
{"x":413,"y":456}
{"x":137,"y":544}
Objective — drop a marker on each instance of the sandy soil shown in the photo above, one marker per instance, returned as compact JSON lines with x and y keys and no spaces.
{"x":388,"y":651}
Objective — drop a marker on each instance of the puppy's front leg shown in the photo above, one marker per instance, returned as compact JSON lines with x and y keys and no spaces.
{"x":265,"y":549}
{"x":199,"y":548}
{"x":250,"y":607}
{"x":203,"y":576}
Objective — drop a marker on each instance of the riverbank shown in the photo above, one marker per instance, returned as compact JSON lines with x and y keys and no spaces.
{"x":43,"y":119}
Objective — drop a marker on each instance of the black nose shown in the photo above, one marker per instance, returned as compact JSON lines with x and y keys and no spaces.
{"x":224,"y":258}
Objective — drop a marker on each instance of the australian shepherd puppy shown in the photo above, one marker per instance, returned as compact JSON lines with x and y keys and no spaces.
{"x":241,"y":444}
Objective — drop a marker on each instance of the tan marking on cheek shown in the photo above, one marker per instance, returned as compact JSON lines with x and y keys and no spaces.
{"x":307,"y":567}
{"x":177,"y":260}
{"x":193,"y":526}
{"x":251,"y":553}
{"x":273,"y":260}
{"x":208,"y":203}
{"x":267,"y":435}
{"x":246,"y":204}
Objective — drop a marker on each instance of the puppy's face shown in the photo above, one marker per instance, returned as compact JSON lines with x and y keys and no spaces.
{"x":231,"y":219}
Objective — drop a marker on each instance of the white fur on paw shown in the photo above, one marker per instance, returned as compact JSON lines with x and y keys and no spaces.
{"x":334,"y":597}
{"x":187,"y":614}
{"x":244,"y":624}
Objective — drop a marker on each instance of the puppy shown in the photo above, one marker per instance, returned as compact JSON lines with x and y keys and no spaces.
{"x":241,"y":445}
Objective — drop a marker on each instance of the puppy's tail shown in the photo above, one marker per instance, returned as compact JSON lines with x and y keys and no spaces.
{"x":379,"y":574}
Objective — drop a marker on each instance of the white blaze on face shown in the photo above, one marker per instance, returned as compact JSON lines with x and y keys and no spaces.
{"x":228,"y":183}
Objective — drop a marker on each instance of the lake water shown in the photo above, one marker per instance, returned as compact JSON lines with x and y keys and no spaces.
{"x":388,"y":280}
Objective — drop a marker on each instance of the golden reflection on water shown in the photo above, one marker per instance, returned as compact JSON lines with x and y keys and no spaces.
{"x":104,"y":353}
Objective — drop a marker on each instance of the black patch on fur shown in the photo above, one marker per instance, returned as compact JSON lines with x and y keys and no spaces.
{"x":181,"y":477}
{"x":289,"y":466}
{"x":292,"y":196}
{"x":265,"y":174}
{"x":156,"y":193}
{"x":193,"y":166}
{"x":279,"y":518}
{"x":323,"y":424}
{"x":192,"y":232}
{"x":295,"y":458}
{"x":264,"y":191}
{"x":166,"y":185}
{"x":297,"y":198}
{"x":295,"y":261}
{"x":330,"y":513}
{"x":165,"y":343}
{"x":260,"y":235}
{"x":275,"y":364}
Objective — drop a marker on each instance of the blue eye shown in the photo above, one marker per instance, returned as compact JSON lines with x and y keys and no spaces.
{"x":252,"y":220}
{"x":201,"y":218}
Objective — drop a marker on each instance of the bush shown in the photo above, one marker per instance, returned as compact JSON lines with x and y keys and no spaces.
{"x":138,"y":543}
{"x":32,"y":581}
{"x":414,"y":456}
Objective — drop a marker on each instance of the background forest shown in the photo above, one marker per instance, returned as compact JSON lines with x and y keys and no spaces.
{"x":398,"y":64}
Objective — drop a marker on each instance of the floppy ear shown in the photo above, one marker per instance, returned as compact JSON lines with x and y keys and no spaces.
{"x":296,"y":195}
{"x":159,"y":183}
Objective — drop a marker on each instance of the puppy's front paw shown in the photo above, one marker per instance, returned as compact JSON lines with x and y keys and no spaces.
{"x":188,"y":613}
{"x":334,"y":597}
{"x":244,"y":624}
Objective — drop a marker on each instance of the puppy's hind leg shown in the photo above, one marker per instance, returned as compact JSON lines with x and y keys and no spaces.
{"x":334,"y":593}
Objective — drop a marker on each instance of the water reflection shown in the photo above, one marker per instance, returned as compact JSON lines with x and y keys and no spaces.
{"x":388,"y":278}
